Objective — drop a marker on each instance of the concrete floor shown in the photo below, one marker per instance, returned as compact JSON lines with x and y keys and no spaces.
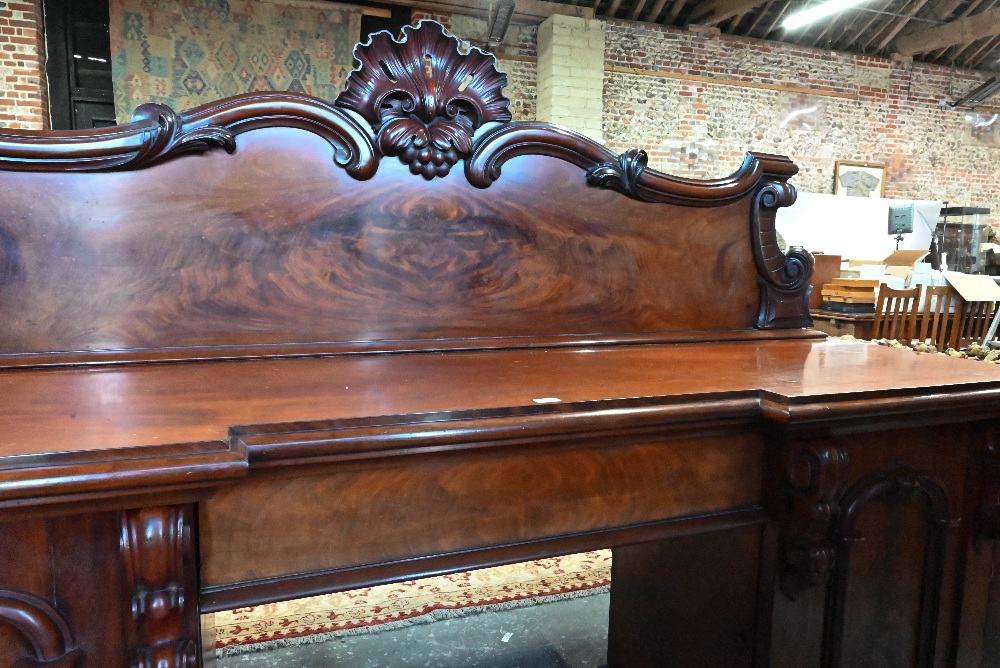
{"x":571,"y":633}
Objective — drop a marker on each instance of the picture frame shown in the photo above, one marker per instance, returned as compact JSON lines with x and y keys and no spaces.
{"x":859,"y":179}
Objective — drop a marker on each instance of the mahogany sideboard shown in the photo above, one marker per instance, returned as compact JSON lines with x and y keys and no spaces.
{"x":277,"y":346}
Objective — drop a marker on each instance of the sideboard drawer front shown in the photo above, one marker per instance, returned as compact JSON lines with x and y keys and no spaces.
{"x":271,"y":524}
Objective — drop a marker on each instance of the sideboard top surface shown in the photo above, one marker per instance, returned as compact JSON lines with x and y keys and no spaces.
{"x":65,"y":410}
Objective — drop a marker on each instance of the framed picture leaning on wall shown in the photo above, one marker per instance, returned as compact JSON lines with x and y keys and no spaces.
{"x":859,"y":179}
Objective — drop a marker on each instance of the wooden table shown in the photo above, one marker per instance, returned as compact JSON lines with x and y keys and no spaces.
{"x":858,"y":325}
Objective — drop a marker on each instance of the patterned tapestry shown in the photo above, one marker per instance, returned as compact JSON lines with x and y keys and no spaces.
{"x":187,"y":52}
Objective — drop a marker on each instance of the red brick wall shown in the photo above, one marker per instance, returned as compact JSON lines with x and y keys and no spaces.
{"x":24,"y":98}
{"x":697,"y":101}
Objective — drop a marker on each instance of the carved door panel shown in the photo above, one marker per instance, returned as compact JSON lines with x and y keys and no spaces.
{"x":873,"y":550}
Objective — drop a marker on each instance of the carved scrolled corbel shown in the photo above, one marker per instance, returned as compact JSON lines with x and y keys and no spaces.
{"x":815,"y":479}
{"x":157,"y":549}
{"x":783,"y":277}
{"x":42,"y":626}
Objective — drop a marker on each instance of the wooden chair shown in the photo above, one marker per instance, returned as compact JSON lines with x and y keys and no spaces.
{"x":940,"y":316}
{"x":974,"y":322}
{"x":895,"y":312}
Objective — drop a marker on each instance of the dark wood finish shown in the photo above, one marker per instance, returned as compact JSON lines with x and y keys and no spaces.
{"x":713,"y":575}
{"x":158,"y":552}
{"x":325,"y":361}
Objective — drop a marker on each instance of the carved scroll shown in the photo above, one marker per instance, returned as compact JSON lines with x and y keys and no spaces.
{"x":815,"y":478}
{"x":423,"y":97}
{"x":42,"y":626}
{"x":896,"y":483}
{"x":156,"y":548}
{"x":783,"y":277}
{"x":157,"y":133}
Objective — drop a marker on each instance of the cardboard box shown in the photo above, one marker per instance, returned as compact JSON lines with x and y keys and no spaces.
{"x":905,"y":258}
{"x":973,"y":287}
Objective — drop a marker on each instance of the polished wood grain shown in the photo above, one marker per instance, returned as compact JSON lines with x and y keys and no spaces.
{"x":53,"y":410}
{"x":410,"y":260}
{"x":326,"y":356}
{"x":326,"y":518}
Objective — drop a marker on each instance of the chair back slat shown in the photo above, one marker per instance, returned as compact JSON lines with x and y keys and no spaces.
{"x":940,"y":317}
{"x":895,"y":313}
{"x":975,"y":322}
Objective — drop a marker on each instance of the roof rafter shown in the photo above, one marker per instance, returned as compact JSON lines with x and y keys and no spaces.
{"x":917,"y":6}
{"x":962,"y":31}
{"x":717,"y":11}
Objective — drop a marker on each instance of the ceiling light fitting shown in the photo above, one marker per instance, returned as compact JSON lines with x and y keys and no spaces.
{"x":817,"y":12}
{"x":500,"y":16}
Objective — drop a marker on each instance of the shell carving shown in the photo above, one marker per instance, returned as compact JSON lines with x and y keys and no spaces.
{"x":423,"y":98}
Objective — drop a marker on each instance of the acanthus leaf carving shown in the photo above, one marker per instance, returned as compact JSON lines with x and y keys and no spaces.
{"x":424,"y":98}
{"x":621,"y":175}
{"x":815,"y":479}
{"x":170,"y":138}
{"x":42,"y":626}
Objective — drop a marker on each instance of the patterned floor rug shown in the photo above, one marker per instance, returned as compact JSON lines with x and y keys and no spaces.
{"x":373,"y":609}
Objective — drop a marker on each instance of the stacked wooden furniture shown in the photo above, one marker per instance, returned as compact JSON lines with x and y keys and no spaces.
{"x":850,"y":295}
{"x":273,"y":347}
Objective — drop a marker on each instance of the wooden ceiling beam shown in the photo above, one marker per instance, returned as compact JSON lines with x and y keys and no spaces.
{"x":977,"y":60}
{"x":614,"y":8}
{"x":942,"y":10}
{"x":760,"y":17}
{"x":712,"y":12}
{"x":845,"y":41}
{"x":969,"y":53}
{"x":901,"y":23}
{"x":961,"y":31}
{"x":654,"y":13}
{"x":675,"y":9}
{"x":735,"y":23}
{"x":634,"y":14}
{"x":777,"y":19}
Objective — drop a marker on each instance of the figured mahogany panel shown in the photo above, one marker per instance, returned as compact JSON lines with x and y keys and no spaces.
{"x":276,"y":244}
{"x":311,"y":518}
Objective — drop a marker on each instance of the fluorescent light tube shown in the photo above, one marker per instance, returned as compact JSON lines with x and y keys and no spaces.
{"x":817,"y":12}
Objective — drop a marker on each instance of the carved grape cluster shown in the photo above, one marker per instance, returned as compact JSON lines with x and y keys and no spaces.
{"x":430,"y":160}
